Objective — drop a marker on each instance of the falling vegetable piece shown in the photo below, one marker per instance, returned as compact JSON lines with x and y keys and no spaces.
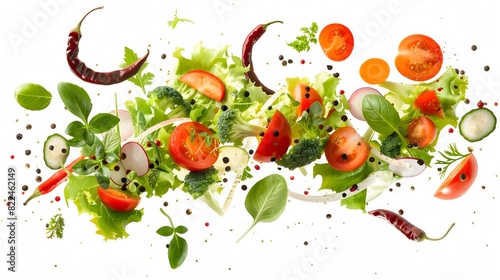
{"x":55,"y":180}
{"x":459,"y":180}
{"x":374,"y":71}
{"x":408,"y":229}
{"x":85,"y":73}
{"x":246,"y":56}
{"x":206,"y":83}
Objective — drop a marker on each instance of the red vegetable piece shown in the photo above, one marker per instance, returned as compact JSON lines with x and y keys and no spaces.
{"x":276,"y":140}
{"x":206,"y":83}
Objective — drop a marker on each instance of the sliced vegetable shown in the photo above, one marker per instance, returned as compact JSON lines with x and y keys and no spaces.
{"x":117,"y":200}
{"x":134,"y":157}
{"x":119,"y":174}
{"x":337,"y":41}
{"x":420,"y":57}
{"x":205,"y":82}
{"x":374,"y":71}
{"x":276,"y":140}
{"x":231,"y":158}
{"x":306,"y":95}
{"x":428,"y":103}
{"x":125,"y":125}
{"x":346,"y":150}
{"x":356,"y":101}
{"x":55,"y":151}
{"x":415,"y":167}
{"x":477,"y":124}
{"x":459,"y":180}
{"x":422,"y":132}
{"x":193,"y":146}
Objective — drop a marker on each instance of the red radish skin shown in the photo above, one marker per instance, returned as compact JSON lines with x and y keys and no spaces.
{"x":134,"y":157}
{"x":356,"y":101}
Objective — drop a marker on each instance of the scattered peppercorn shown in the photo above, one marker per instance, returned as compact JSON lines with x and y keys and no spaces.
{"x":19,"y":136}
{"x":328,"y":216}
{"x":38,"y":179}
{"x":486,"y":68}
{"x":165,"y":203}
{"x":280,"y":57}
{"x":244,"y":187}
{"x":224,"y":108}
{"x":27,"y":152}
{"x":163,"y":56}
{"x":474,"y":47}
{"x":336,"y":74}
{"x":53,"y":126}
{"x":400,"y":212}
{"x":28,"y":127}
{"x":344,"y":118}
{"x":329,"y":67}
{"x":284,"y":63}
{"x":25,"y":188}
{"x":192,"y":101}
{"x":189,"y":211}
{"x":290,"y":61}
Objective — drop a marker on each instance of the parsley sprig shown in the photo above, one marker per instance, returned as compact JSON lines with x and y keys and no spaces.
{"x":55,"y":227}
{"x":173,"y":23}
{"x":140,"y":79}
{"x":308,"y":37}
{"x":450,"y":156}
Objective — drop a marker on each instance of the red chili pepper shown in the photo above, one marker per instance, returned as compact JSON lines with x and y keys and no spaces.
{"x":85,"y":73}
{"x":246,"y":56}
{"x":408,"y":229}
{"x":55,"y":180}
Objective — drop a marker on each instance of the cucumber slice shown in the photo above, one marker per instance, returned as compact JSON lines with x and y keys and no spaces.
{"x":55,"y":151}
{"x":477,"y":124}
{"x":231,"y":159}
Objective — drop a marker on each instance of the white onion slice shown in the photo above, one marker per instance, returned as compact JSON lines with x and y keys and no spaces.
{"x":126,"y":126}
{"x":134,"y":157}
{"x":356,"y":101}
{"x":412,"y":170}
{"x":158,"y":126}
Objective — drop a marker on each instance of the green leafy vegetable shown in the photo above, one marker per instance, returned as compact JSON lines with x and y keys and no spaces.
{"x":178,"y":247}
{"x":450,"y":156}
{"x":391,"y":145}
{"x":140,"y":79}
{"x":266,"y":200}
{"x":308,"y":37}
{"x":32,"y":97}
{"x":173,"y":23}
{"x":380,"y":114}
{"x":55,"y":227}
{"x":339,"y":181}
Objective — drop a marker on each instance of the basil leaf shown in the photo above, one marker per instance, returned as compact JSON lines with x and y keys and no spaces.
{"x":339,"y":181}
{"x":33,"y":97}
{"x":103,"y":122}
{"x":181,"y":229}
{"x":102,"y":175}
{"x":76,"y":129}
{"x":82,"y":167}
{"x":165,"y":231}
{"x":111,"y":141}
{"x":266,"y":200}
{"x":76,"y":100}
{"x":177,"y":251}
{"x":380,"y":114}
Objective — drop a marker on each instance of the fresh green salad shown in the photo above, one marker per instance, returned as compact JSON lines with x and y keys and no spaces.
{"x":207,"y":129}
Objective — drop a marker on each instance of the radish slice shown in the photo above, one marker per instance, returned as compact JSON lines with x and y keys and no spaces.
{"x":356,"y":101}
{"x":119,"y":174}
{"x":126,"y":126}
{"x":134,"y":157}
{"x":414,"y":167}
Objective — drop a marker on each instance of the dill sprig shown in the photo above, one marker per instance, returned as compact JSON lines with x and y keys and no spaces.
{"x":450,"y":156}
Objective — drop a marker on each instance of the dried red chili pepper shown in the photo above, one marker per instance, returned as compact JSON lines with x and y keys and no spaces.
{"x":408,"y":229}
{"x":85,"y":73}
{"x":246,"y":56}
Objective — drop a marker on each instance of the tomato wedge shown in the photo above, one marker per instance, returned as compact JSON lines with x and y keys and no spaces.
{"x":420,"y":57}
{"x":275,"y":142}
{"x":428,"y":103}
{"x":117,"y":200}
{"x":306,"y":95}
{"x":193,"y":146}
{"x":421,"y":132}
{"x":206,"y":83}
{"x":459,"y":180}
{"x":337,"y":41}
{"x":346,"y":150}
{"x":374,"y":71}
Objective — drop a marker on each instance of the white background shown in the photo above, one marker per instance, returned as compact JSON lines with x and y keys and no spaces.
{"x":350,"y":245}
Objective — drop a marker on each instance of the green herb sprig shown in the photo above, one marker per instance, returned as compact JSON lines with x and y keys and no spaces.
{"x":173,"y":23}
{"x":178,"y":247}
{"x":55,"y":227}
{"x":308,"y":37}
{"x":450,"y":156}
{"x":140,"y":79}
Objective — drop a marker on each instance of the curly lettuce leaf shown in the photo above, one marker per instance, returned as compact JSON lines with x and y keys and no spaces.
{"x":82,"y":190}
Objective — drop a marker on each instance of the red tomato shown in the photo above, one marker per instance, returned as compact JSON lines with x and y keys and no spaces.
{"x":117,"y":200}
{"x":193,"y":146}
{"x":206,"y":83}
{"x":306,"y":95}
{"x":337,"y":41}
{"x":420,"y":57}
{"x":276,"y":140}
{"x":460,"y":179}
{"x":421,"y":131}
{"x":346,"y":150}
{"x":428,"y":103}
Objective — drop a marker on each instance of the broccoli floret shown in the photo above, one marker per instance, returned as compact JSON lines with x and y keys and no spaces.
{"x":305,"y":151}
{"x":231,"y":127}
{"x":197,"y":183}
{"x":391,"y":145}
{"x":166,"y":98}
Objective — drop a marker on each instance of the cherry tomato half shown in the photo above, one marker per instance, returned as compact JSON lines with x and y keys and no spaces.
{"x":193,"y":146}
{"x":346,"y":150}
{"x":459,"y":180}
{"x":420,"y":58}
{"x":117,"y":200}
{"x":421,"y":131}
{"x":428,"y":103}
{"x":306,"y":95}
{"x":276,"y":140}
{"x":337,"y":41}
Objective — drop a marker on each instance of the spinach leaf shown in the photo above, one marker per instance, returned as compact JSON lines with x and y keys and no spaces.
{"x":266,"y":200}
{"x":339,"y":181}
{"x":33,"y":97}
{"x":380,"y":114}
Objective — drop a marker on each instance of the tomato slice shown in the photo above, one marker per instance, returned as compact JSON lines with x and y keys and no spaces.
{"x":117,"y":200}
{"x":420,"y":58}
{"x":193,"y":146}
{"x":459,"y":180}
{"x":428,"y":103}
{"x":421,"y":131}
{"x":346,"y":150}
{"x":374,"y":71}
{"x":275,"y":142}
{"x":337,"y":41}
{"x":306,"y":95}
{"x":206,"y":83}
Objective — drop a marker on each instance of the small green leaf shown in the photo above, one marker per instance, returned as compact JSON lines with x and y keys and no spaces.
{"x":32,"y":97}
{"x":103,"y":122}
{"x":165,"y":231}
{"x":76,"y":129}
{"x":380,"y":114}
{"x":90,"y":199}
{"x":76,"y":100}
{"x":177,"y":251}
{"x":181,"y":229}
